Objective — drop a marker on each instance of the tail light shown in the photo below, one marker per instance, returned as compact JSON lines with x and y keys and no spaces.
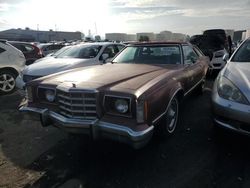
{"x":40,"y":52}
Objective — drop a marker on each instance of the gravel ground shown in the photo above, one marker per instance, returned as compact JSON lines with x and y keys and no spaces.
{"x":196,"y":156}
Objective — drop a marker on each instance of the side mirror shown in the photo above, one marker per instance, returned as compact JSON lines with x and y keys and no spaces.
{"x":225,"y":57}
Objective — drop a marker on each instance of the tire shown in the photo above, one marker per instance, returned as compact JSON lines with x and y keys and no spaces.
{"x":169,"y":121}
{"x":7,"y":82}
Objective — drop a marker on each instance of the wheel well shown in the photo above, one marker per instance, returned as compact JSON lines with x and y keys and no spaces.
{"x":10,"y":69}
{"x":180,"y":95}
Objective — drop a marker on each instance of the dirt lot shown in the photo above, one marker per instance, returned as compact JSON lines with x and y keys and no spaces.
{"x":197,"y":156}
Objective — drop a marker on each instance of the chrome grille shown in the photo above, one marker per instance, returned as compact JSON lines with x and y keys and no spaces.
{"x":77,"y":104}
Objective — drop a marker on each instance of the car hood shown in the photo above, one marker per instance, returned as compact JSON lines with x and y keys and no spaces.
{"x":239,"y":74}
{"x":53,"y":65}
{"x":113,"y":77}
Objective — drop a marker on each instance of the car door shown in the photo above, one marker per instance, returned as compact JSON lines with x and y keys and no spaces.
{"x":193,"y":66}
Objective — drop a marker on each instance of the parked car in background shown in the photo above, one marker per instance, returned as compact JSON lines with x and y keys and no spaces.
{"x":30,"y":51}
{"x":48,"y":48}
{"x":138,"y":93}
{"x":80,"y":55}
{"x":12,"y":62}
{"x":231,"y":92}
{"x":56,"y":53}
{"x":213,"y":43}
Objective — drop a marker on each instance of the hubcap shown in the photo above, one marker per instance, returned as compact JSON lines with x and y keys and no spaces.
{"x":172,"y":115}
{"x":7,"y":82}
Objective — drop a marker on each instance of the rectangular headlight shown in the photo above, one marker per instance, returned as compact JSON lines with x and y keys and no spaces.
{"x":117,"y":105}
{"x":46,"y":94}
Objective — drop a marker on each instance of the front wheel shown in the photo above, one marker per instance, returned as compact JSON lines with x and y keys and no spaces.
{"x":7,"y":82}
{"x":170,"y":119}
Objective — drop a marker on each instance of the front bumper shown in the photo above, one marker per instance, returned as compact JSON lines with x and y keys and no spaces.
{"x":96,"y":128}
{"x":230,"y":115}
{"x":20,"y":83}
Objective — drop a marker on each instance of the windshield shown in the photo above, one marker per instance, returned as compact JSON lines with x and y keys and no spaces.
{"x":243,"y":53}
{"x":150,"y":55}
{"x":58,"y":52}
{"x":83,"y":52}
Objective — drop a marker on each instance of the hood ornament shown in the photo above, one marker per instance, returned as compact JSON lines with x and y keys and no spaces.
{"x":73,"y":85}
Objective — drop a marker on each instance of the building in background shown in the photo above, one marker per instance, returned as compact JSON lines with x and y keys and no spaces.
{"x":247,"y":33}
{"x":244,"y":34}
{"x":149,"y":36}
{"x":178,"y":37}
{"x":238,"y":35}
{"x":116,"y":36}
{"x":230,"y":32}
{"x":131,"y":37}
{"x":164,"y":36}
{"x":30,"y":35}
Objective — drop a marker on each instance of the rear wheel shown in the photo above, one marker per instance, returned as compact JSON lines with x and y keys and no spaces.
{"x":7,"y":82}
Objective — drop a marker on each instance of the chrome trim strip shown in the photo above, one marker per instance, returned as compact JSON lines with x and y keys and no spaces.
{"x":31,"y":109}
{"x":228,"y":126}
{"x":76,"y":90}
{"x":194,"y":87}
{"x":160,"y":116}
{"x":134,"y":135}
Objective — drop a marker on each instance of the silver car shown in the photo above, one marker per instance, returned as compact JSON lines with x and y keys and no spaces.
{"x":231,"y":92}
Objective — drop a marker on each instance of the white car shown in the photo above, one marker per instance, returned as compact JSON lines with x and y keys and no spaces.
{"x":80,"y":55}
{"x":12,"y":62}
{"x":217,"y":62}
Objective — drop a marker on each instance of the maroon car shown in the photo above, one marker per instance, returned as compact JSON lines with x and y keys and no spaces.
{"x":30,"y":51}
{"x":128,"y":99}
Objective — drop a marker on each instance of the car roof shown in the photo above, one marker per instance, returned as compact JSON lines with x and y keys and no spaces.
{"x":19,"y":42}
{"x":156,"y":43}
{"x":98,"y":43}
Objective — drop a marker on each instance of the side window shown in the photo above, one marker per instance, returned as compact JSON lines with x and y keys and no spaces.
{"x":2,"y":50}
{"x":190,"y":56}
{"x":110,"y":50}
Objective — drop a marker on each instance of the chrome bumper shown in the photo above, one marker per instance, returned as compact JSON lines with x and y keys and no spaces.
{"x":96,"y":128}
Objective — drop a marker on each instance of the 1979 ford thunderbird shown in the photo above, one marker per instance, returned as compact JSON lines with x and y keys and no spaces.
{"x":128,"y":99}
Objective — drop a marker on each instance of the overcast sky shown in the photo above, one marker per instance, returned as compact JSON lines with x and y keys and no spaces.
{"x":129,"y":16}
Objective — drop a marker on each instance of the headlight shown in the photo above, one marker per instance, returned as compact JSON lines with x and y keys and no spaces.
{"x":118,"y":105}
{"x":227,"y":90}
{"x":46,"y":94}
{"x":50,"y":95}
{"x":121,"y":106}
